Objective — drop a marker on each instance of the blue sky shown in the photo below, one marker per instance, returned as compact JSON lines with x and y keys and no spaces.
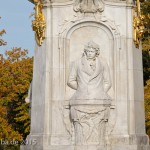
{"x":17,"y":23}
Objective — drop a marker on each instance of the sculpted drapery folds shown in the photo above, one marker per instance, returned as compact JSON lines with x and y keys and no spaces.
{"x":90,"y":105}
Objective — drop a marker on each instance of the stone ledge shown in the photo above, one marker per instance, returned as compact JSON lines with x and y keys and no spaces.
{"x":91,"y":102}
{"x":113,"y":147}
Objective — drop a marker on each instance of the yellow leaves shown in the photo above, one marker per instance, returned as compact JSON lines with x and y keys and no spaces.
{"x":146,"y":61}
{"x":147,"y":105}
{"x":16,"y":54}
{"x":15,"y":73}
{"x":146,"y":38}
{"x":147,"y":117}
{"x":6,"y":131}
{"x":15,"y":77}
{"x":2,"y":111}
{"x":147,"y":90}
{"x":146,"y":44}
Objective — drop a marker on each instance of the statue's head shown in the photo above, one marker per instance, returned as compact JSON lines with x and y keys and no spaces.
{"x":92,"y":50}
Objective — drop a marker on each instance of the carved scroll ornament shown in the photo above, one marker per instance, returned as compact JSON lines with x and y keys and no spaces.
{"x":89,"y":6}
{"x":39,"y":24}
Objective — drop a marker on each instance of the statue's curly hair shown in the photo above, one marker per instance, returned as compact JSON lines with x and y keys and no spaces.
{"x":93,"y":45}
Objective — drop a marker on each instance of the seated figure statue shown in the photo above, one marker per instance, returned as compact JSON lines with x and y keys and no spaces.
{"x":90,"y":104}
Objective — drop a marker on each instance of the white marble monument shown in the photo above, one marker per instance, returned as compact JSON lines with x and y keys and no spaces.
{"x":87,"y":88}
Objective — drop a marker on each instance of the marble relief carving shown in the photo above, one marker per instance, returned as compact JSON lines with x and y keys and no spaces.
{"x":90,"y":105}
{"x":88,"y":6}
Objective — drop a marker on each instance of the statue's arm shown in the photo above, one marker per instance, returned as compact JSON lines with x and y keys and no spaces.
{"x":107,"y":78}
{"x":72,"y":80}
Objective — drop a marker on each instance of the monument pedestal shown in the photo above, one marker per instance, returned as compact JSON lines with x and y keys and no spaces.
{"x":70,"y":25}
{"x":112,"y":147}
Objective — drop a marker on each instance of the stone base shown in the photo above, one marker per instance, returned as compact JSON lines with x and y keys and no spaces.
{"x":113,"y":147}
{"x":117,"y":142}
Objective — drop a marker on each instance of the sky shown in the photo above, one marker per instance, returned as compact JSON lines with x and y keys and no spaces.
{"x":17,"y":22}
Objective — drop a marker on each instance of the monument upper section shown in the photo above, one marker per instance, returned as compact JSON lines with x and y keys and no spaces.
{"x":76,"y":1}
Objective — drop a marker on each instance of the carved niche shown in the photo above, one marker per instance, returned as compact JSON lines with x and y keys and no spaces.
{"x":89,"y":6}
{"x":89,"y":120}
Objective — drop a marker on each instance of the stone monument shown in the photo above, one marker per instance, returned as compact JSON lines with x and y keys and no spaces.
{"x":87,"y":88}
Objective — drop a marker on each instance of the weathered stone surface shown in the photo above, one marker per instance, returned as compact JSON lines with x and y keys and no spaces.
{"x":66,"y":34}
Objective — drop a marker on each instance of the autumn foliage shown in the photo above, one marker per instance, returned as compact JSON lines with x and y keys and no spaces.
{"x":146,"y":62}
{"x":2,"y":32}
{"x":15,"y":77}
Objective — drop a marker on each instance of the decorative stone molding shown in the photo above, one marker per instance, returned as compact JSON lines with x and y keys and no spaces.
{"x":65,"y":33}
{"x":101,"y":20}
{"x":89,"y":6}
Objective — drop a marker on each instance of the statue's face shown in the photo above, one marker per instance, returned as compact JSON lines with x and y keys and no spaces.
{"x":90,"y":53}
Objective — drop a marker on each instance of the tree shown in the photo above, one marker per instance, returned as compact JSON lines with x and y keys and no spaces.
{"x":147,"y":106}
{"x":2,"y":32}
{"x":146,"y":62}
{"x":15,"y":78}
{"x":6,"y":130}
